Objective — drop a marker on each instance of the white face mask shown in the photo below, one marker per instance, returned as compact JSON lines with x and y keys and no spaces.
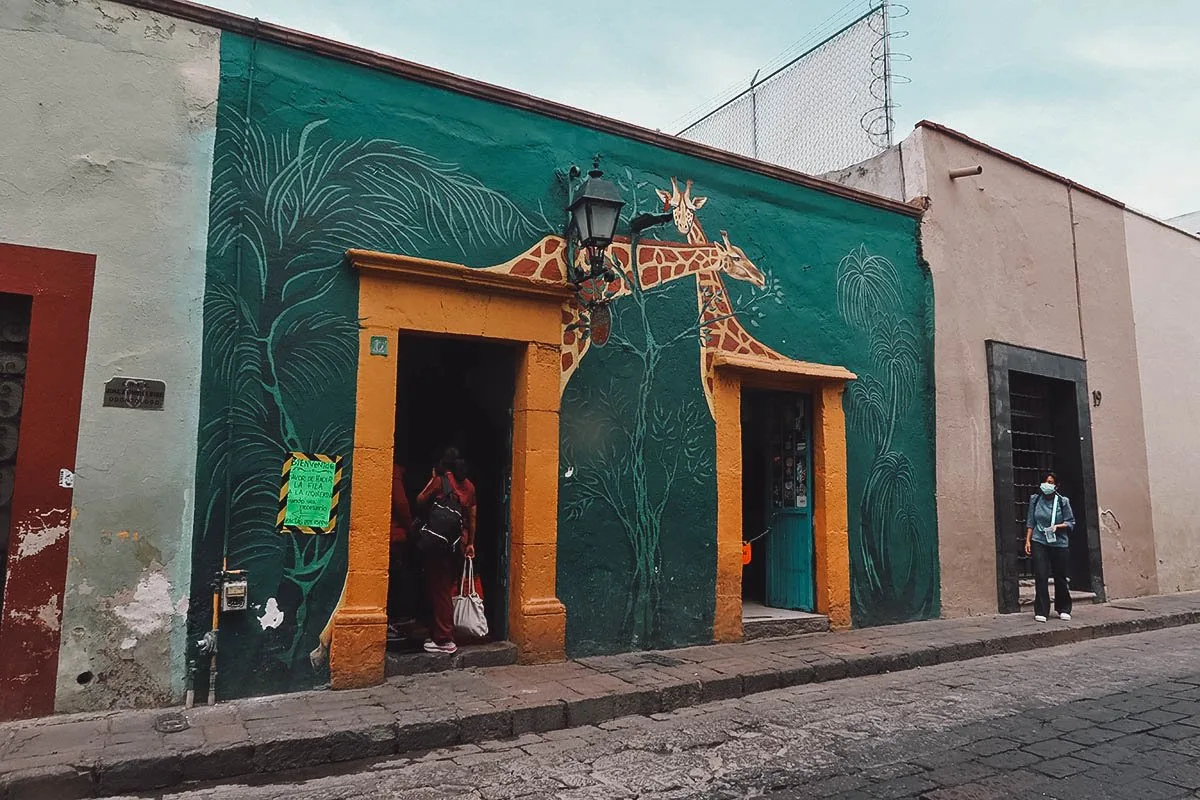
{"x":1048,"y":488}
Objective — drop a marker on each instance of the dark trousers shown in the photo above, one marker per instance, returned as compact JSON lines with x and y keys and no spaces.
{"x":1049,"y":561}
{"x":440,"y":575}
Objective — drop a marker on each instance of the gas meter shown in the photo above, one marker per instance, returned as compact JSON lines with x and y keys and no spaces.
{"x":235,"y":591}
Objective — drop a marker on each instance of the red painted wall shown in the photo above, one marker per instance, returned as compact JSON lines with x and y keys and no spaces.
{"x":61,"y":286}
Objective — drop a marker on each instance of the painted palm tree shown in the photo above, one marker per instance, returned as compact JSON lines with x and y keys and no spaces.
{"x":281,"y":333}
{"x":897,"y":554}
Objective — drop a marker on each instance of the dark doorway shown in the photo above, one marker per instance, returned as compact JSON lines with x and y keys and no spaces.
{"x":1041,"y":423}
{"x":14,"y":348}
{"x":459,"y":393}
{"x":1045,"y":438}
{"x":755,"y":494}
{"x":777,"y":500}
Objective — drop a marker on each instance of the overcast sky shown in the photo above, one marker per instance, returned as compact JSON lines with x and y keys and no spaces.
{"x":1106,"y":92}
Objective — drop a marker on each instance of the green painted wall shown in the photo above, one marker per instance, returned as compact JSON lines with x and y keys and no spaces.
{"x":315,"y":156}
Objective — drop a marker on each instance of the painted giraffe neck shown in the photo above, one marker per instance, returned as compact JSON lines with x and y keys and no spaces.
{"x":658,"y":262}
{"x":663,"y":262}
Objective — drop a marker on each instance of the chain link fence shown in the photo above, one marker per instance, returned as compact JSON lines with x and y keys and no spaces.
{"x":826,"y":108}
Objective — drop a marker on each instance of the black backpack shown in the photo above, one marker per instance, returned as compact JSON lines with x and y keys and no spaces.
{"x":442,"y":531}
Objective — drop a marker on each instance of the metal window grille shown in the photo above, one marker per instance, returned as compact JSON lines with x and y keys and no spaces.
{"x":1033,"y":450}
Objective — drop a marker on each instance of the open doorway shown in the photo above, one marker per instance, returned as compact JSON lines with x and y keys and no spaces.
{"x":1045,"y":439}
{"x":777,"y":507}
{"x":456,"y":392}
{"x":1041,"y":423}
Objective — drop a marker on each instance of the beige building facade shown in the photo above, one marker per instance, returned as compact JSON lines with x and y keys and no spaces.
{"x":1038,"y":284}
{"x":1164,"y":271}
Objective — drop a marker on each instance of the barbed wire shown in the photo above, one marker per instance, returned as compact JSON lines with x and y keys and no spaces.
{"x":821,"y":106}
{"x":884,"y":57}
{"x":851,"y":11}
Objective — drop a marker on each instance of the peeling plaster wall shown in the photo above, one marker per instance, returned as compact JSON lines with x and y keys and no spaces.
{"x":883,"y":174}
{"x":1164,"y":269}
{"x":107,"y":148}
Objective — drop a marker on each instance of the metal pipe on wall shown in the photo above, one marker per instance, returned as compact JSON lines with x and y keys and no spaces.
{"x":965,"y":172}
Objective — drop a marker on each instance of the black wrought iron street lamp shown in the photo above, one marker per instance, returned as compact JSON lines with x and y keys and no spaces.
{"x":592,"y":221}
{"x":592,"y":217}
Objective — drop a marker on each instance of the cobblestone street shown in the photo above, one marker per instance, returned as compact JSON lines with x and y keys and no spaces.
{"x":1111,"y":718}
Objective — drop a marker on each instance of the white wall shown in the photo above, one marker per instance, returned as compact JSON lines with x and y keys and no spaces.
{"x":106,"y":139}
{"x":1164,"y":270}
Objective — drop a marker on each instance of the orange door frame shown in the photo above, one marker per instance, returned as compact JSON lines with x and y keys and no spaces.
{"x":402,"y":294}
{"x":830,"y":527}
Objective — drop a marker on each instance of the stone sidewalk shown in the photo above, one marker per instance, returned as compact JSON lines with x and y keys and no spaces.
{"x":90,"y":755}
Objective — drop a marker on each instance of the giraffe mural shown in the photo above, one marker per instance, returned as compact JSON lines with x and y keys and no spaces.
{"x":301,"y":173}
{"x":658,"y":263}
{"x":721,"y":331}
{"x":658,"y":432}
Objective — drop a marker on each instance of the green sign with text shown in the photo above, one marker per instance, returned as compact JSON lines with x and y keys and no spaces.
{"x":308,"y":498}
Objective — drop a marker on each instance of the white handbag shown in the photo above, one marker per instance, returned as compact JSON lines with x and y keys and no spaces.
{"x":469,"y":617}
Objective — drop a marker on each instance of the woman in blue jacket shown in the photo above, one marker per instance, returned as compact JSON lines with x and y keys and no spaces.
{"x":1047,"y":531}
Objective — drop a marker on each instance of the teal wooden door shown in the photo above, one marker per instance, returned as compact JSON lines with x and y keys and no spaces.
{"x":790,"y":567}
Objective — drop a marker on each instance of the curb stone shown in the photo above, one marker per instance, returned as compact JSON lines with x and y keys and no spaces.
{"x":274,"y":750}
{"x":40,"y":783}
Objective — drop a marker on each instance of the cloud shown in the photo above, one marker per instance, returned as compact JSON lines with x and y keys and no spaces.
{"x":1139,"y":50}
{"x":1106,"y":103}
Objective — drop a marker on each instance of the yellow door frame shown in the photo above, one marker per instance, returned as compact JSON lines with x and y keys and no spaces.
{"x":400,"y":295}
{"x":830,"y":526}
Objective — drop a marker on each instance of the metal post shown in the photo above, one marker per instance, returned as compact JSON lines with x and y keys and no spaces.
{"x":754,"y":114}
{"x":887,"y":72}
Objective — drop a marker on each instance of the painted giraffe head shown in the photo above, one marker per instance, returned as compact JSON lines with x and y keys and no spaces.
{"x":736,"y":265}
{"x":682,"y":205}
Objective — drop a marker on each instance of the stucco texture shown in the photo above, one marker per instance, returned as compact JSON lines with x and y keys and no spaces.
{"x":106,"y":149}
{"x":1164,"y":269}
{"x":402,"y":167}
{"x":1000,"y":248}
{"x":1123,"y":500}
